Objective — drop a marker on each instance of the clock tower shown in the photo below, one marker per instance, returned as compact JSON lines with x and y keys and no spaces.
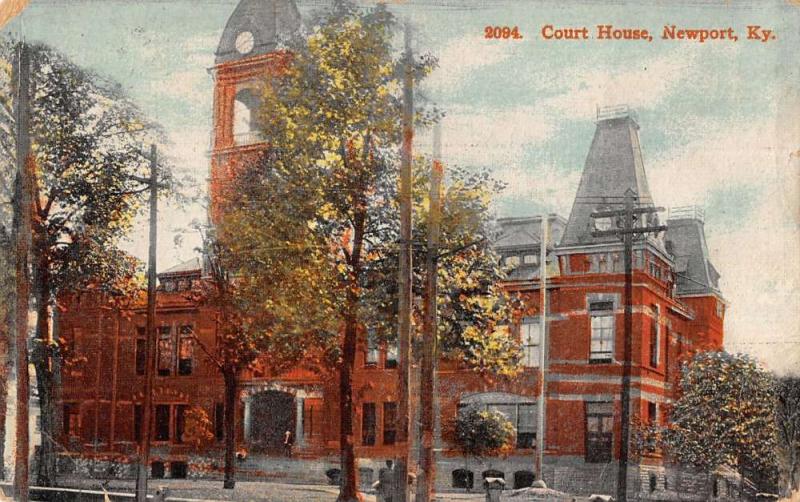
{"x":249,"y":50}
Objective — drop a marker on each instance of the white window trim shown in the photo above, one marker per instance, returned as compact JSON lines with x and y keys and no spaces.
{"x":530,"y":351}
{"x":609,"y":313}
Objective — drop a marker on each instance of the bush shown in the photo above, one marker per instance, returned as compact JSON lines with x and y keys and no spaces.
{"x":480,"y":433}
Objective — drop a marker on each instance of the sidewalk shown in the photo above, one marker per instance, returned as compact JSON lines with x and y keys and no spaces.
{"x":186,"y":490}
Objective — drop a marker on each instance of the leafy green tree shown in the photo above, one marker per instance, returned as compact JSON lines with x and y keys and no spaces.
{"x":724,"y":415}
{"x":333,"y":123}
{"x":788,"y":419}
{"x":240,"y":287}
{"x":89,"y":182}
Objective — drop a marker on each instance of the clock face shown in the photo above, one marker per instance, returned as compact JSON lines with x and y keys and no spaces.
{"x":245,"y":42}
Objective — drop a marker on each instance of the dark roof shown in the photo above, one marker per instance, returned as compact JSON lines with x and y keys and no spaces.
{"x":188,"y":267}
{"x":525,"y":232}
{"x":270,"y":22}
{"x":613,"y":166}
{"x":686,"y":240}
{"x":522,"y":236}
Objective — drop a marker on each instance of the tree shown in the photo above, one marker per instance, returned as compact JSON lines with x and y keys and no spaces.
{"x":240,"y":287}
{"x":788,"y":419}
{"x":481,"y":433}
{"x":88,"y":184}
{"x":198,"y":429}
{"x":333,"y":123}
{"x":724,"y":415}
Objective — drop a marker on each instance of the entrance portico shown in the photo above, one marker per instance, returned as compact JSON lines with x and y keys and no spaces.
{"x":271,"y":408}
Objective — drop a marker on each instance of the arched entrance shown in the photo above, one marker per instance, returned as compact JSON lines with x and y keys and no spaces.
{"x":272,"y":413}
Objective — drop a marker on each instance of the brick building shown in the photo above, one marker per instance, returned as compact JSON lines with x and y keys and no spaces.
{"x":678,"y":309}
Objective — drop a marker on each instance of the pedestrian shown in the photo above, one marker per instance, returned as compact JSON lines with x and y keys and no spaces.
{"x":385,"y":487}
{"x":288,"y":442}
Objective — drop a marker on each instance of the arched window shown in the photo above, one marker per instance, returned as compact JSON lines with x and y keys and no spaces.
{"x":245,"y":113}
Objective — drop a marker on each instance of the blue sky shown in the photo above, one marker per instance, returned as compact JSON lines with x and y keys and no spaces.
{"x":719,"y":124}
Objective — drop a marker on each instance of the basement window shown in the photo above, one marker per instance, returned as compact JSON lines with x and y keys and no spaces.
{"x":463,"y":478}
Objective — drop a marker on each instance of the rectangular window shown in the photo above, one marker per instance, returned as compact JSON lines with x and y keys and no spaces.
{"x":371,"y":357}
{"x":180,"y":422}
{"x":162,"y":422}
{"x":185,"y":350}
{"x":219,"y":421}
{"x":389,"y":423}
{"x":138,"y":416}
{"x":72,"y":415}
{"x":655,"y":338}
{"x":599,"y":431}
{"x":526,"y":426}
{"x":165,"y":351}
{"x":368,"y":422}
{"x":531,"y":259}
{"x":391,"y":355}
{"x":652,"y":413}
{"x":602,"y":321}
{"x":531,"y":342}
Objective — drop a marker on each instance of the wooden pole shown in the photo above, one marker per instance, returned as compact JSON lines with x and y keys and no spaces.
{"x":542,"y":400}
{"x":627,"y":232}
{"x":627,"y":238}
{"x":22,"y":232}
{"x":404,"y":280}
{"x":427,"y":463}
{"x":150,"y":343}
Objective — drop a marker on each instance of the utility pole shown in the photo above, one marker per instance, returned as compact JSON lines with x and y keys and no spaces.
{"x":22,"y":232}
{"x":427,"y":463}
{"x":150,"y":341}
{"x":627,"y":230}
{"x":404,"y":280}
{"x":542,"y":401}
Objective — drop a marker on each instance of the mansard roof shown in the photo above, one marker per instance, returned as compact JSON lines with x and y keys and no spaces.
{"x":525,"y":232}
{"x":188,"y":267}
{"x":686,"y":241}
{"x":613,"y":166}
{"x":269,"y":21}
{"x":522,"y":236}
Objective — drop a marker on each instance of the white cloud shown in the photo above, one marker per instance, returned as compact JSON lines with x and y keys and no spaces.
{"x":758,"y":254}
{"x":490,"y":137}
{"x":463,"y":56}
{"x":640,"y":86}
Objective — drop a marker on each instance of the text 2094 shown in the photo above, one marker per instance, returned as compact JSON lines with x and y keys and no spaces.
{"x":502,"y":32}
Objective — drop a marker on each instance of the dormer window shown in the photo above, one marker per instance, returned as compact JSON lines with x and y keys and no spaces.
{"x":603,"y":224}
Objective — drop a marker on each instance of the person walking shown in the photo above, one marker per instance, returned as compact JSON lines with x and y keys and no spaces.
{"x":384,"y":488}
{"x":288,"y":442}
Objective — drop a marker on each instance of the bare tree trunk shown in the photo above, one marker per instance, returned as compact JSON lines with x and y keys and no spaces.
{"x":348,"y":491}
{"x":42,"y":359}
{"x":349,"y":481}
{"x":231,"y":386}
